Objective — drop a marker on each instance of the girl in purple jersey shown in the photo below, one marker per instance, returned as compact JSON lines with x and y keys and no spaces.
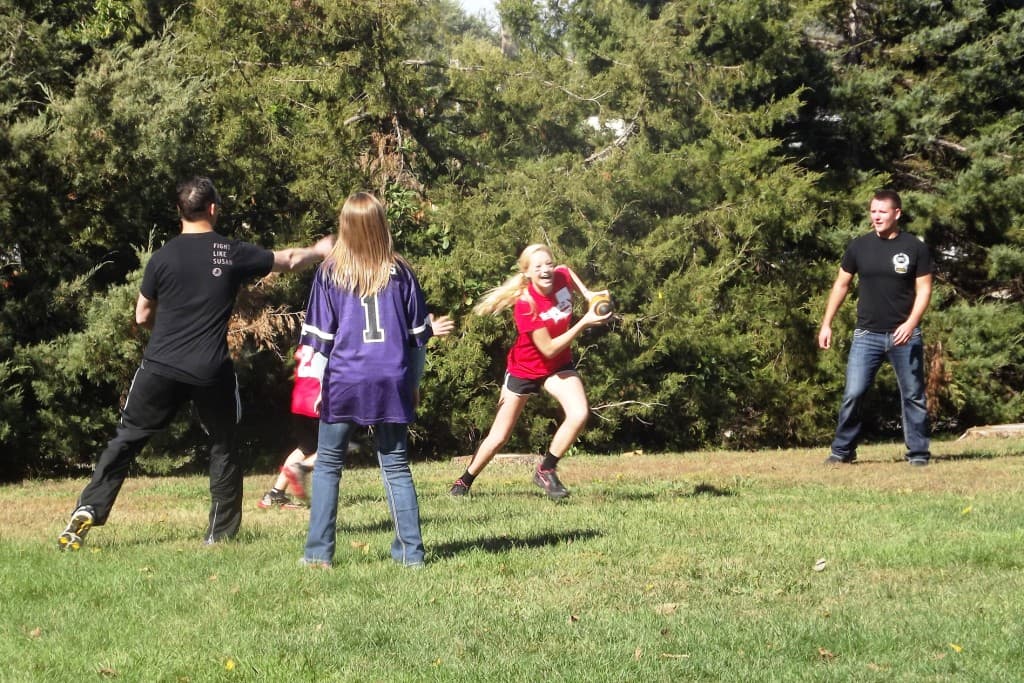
{"x":368,"y":316}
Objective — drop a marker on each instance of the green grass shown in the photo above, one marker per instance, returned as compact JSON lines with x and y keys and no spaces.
{"x":696,"y":566}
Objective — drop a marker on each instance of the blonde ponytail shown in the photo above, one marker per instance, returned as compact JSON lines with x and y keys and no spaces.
{"x":504,"y":295}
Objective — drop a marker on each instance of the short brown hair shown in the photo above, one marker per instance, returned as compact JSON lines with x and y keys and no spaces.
{"x":891,"y":196}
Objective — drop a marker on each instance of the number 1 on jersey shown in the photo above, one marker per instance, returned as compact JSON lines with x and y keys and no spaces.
{"x":372,"y":332}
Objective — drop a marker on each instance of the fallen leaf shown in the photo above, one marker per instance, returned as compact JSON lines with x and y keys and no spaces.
{"x":666,"y":608}
{"x":819,"y":566}
{"x":212,"y":577}
{"x":638,"y":653}
{"x":669,"y":655}
{"x":36,"y":632}
{"x":825,"y":654}
{"x":573,"y":618}
{"x":229,"y":664}
{"x":956,"y":648}
{"x":966,"y":510}
{"x":360,"y":545}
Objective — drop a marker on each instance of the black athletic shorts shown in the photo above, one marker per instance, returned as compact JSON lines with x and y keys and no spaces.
{"x":306,"y":432}
{"x":529,"y":387}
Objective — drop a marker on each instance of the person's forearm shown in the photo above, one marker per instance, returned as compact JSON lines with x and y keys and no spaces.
{"x":920,"y":306}
{"x":835,"y":300}
{"x":300,"y":258}
{"x":582,"y":288}
{"x":551,"y":347}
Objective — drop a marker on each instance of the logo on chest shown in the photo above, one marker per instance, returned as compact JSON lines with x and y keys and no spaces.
{"x":901,"y":263}
{"x":562,"y":308}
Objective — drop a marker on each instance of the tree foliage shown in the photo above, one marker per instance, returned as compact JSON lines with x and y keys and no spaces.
{"x":707,"y":162}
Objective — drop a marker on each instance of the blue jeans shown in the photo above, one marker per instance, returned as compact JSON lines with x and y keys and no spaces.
{"x":867,"y":352}
{"x":391,"y":441}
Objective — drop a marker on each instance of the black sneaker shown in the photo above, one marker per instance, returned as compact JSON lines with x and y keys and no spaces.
{"x":74,"y":535}
{"x":918,"y":461}
{"x":548,"y":480}
{"x":834,"y":459}
{"x":459,"y":489}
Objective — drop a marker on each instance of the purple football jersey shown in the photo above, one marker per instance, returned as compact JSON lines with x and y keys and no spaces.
{"x":366,"y":340}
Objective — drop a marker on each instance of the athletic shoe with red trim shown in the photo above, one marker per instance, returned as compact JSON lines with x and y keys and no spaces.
{"x":548,"y":480}
{"x":459,"y":489}
{"x":296,"y":476}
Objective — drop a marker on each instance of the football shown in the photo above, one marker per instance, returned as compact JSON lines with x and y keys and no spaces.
{"x":601,"y":304}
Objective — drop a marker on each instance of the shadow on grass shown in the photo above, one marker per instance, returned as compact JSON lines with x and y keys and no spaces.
{"x":381,"y":525}
{"x":976,"y":455}
{"x":501,"y":544}
{"x":703,"y":489}
{"x":636,"y":494}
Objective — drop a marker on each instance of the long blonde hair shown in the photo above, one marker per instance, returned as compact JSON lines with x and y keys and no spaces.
{"x":364,"y":252}
{"x":504,"y":295}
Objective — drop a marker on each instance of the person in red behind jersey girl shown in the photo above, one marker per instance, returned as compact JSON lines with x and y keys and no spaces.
{"x":541,"y":357}
{"x":305,"y":423}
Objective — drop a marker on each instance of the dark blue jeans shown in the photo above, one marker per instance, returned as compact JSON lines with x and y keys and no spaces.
{"x":867,"y":352}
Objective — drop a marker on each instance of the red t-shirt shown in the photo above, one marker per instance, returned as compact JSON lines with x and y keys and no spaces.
{"x":553,"y":312}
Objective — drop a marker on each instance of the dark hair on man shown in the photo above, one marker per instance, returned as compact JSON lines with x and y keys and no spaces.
{"x":195,"y":196}
{"x":891,"y":196}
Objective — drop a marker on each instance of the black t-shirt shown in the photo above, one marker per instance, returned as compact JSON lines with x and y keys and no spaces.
{"x":193,"y":279}
{"x":886,"y":270}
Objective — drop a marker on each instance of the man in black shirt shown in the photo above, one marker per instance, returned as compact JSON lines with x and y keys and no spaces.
{"x":894,"y":288}
{"x":186,"y":298}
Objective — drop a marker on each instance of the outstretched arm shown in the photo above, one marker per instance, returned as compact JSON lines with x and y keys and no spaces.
{"x":582,"y":288}
{"x":442,"y":325}
{"x":300,"y":258}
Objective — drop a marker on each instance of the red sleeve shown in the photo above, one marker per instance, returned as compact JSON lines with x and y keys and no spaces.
{"x":526,"y":317}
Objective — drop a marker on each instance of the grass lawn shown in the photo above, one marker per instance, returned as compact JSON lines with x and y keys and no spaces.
{"x":763,"y":566}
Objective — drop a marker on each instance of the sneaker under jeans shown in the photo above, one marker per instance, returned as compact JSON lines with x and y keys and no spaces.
{"x":834,"y":459}
{"x":548,"y":480}
{"x":459,"y":489}
{"x":276,"y":499}
{"x":74,"y":535}
{"x":296,"y":476}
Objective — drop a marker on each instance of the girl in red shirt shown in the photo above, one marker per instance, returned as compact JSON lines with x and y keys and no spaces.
{"x":541,"y":357}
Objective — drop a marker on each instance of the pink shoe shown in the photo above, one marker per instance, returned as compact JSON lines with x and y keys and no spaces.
{"x":296,"y":477}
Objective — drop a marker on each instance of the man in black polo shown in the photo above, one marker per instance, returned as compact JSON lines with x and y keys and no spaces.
{"x":186,"y":298}
{"x":894,"y":271}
